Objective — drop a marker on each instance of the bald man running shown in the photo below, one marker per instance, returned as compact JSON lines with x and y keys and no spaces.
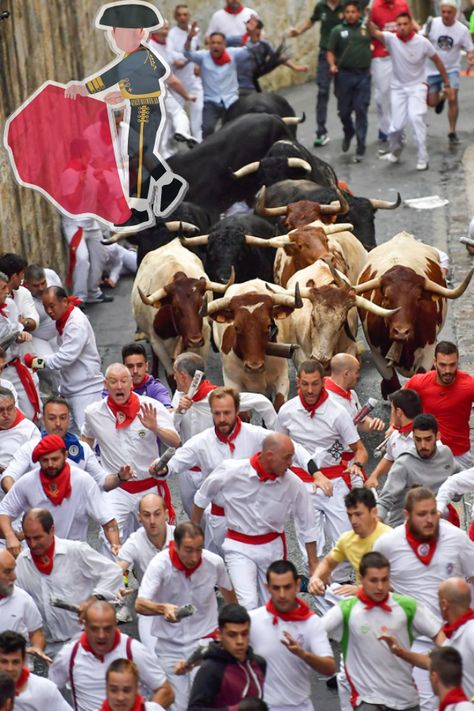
{"x":259,"y":495}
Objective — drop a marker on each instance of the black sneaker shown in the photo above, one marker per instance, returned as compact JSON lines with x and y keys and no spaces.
{"x":346,"y":143}
{"x":102,"y":299}
{"x":453,"y":139}
{"x":440,"y":106}
{"x":137,"y":218}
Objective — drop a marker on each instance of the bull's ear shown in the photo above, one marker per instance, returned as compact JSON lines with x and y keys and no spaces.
{"x":281,"y":312}
{"x":289,"y":249}
{"x":228,"y":339}
{"x":222,"y":316}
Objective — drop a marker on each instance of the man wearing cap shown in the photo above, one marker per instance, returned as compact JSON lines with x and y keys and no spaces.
{"x":67,"y":491}
{"x":140,"y":76}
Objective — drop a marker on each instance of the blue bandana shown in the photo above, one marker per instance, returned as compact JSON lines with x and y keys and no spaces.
{"x":75,"y":450}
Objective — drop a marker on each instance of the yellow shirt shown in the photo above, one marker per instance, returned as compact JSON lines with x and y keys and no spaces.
{"x":352,"y":547}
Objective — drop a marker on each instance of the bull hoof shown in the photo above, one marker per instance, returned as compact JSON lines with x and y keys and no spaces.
{"x":389,"y":386}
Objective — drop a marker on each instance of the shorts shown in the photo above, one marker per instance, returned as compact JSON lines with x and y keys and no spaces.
{"x":435,"y":82}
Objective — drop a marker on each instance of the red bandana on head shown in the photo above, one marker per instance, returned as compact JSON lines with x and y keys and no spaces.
{"x":61,"y":322}
{"x":312,"y":408}
{"x":139,"y":704}
{"x":424,"y":550}
{"x":451,"y":627}
{"x":455,"y":696}
{"x":125,"y":413}
{"x":370,"y":604}
{"x":44,"y":563}
{"x":223,"y":59}
{"x":59,"y":487}
{"x":84,"y":642}
{"x":25,"y":673}
{"x":234,"y":10}
{"x":203,"y":391}
{"x":230,"y":439}
{"x":262,"y":474}
{"x":301,"y":612}
{"x":178,"y":563}
{"x":329,"y":384}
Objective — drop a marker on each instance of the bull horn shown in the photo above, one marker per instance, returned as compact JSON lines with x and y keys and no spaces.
{"x":385,"y":204}
{"x":293,"y":120}
{"x":336,"y":275}
{"x":194,"y":241}
{"x":367,"y":285}
{"x":373,"y":308}
{"x":299,"y":163}
{"x":178,"y":226}
{"x":218,"y":304}
{"x":204,"y":305}
{"x":246,"y":170}
{"x":334,"y":208}
{"x":263,"y":211}
{"x":345,"y":207}
{"x":117,"y":237}
{"x":449,"y":293}
{"x":152,"y":298}
{"x":337,"y":227}
{"x":274,"y":242}
{"x":287,"y":299}
{"x":221,"y":288}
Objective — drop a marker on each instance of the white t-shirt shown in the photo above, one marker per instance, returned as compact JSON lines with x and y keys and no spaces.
{"x":175,"y":44}
{"x":41,"y":694}
{"x":377,"y":676}
{"x":448,"y":42}
{"x":398,"y":443}
{"x":326,"y":435}
{"x":164,"y":583}
{"x":138,"y":550}
{"x":12,"y":439}
{"x":228,"y":24}
{"x":462,"y":639}
{"x":288,"y":678}
{"x":454,"y":557}
{"x":408,"y":58}
{"x":19,"y":613}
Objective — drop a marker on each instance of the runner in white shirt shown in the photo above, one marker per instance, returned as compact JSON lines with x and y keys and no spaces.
{"x":258,"y":495}
{"x":77,"y":360}
{"x":409,"y":52}
{"x":130,"y":429}
{"x":18,"y":611}
{"x":325,"y":430}
{"x":15,"y":429}
{"x":428,"y":550}
{"x":122,"y":688}
{"x":456,"y":485}
{"x":185,"y":70}
{"x":70,"y":570}
{"x":405,"y":406}
{"x":67,"y":491}
{"x":182,"y":575}
{"x":292,"y":640}
{"x":32,"y":692}
{"x":141,"y":547}
{"x":87,"y":254}
{"x":232,"y":19}
{"x":448,"y":36}
{"x":82,"y":663}
{"x":446,"y":678}
{"x":361,"y":624}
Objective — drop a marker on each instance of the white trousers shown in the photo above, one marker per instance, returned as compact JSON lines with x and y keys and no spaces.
{"x":421,"y":677}
{"x":188,"y":483}
{"x":91,"y":258}
{"x":195,"y":109}
{"x":177,"y":122}
{"x":409,"y":107}
{"x":120,"y":261}
{"x":216,"y":529}
{"x":247,"y":565}
{"x":49,"y":379}
{"x":78,"y":404}
{"x":381,"y":69}
{"x":168,"y":655}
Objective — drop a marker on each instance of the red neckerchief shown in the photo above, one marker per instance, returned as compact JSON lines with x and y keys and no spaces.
{"x":125,"y":413}
{"x":146,"y":377}
{"x":451,"y":627}
{"x":61,"y":322}
{"x":178,"y":563}
{"x":205,"y":387}
{"x":424,"y":550}
{"x":44,"y":563}
{"x":234,"y":11}
{"x":59,"y":487}
{"x":369,"y":603}
{"x":312,"y":408}
{"x":245,"y":39}
{"x":3,"y":309}
{"x":453,"y":697}
{"x":156,"y":39}
{"x":301,"y":612}
{"x":18,"y":418}
{"x":139,"y":704}
{"x":230,"y":439}
{"x":406,"y":39}
{"x":25,"y":673}
{"x":262,"y":474}
{"x":329,"y":384}
{"x":223,"y":59}
{"x":404,"y":429}
{"x":84,"y":642}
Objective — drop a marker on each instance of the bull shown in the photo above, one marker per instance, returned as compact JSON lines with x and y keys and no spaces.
{"x":405,"y":275}
{"x":265,"y":102}
{"x":302,"y":212}
{"x":167,"y":298}
{"x":327,"y":323}
{"x":244,"y":325}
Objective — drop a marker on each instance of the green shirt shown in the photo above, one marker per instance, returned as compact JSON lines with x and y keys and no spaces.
{"x":471,"y":23}
{"x":329,"y":18}
{"x":351,"y":46}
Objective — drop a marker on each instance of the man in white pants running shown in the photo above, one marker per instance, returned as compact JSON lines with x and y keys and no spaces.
{"x":409,"y":53}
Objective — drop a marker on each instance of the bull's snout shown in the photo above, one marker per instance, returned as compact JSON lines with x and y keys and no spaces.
{"x":254,"y":366}
{"x":400,"y":332}
{"x":195,"y":342}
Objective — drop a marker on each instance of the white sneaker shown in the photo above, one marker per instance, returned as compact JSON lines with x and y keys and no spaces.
{"x":124,"y":615}
{"x":422,"y":165}
{"x":390,"y":157}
